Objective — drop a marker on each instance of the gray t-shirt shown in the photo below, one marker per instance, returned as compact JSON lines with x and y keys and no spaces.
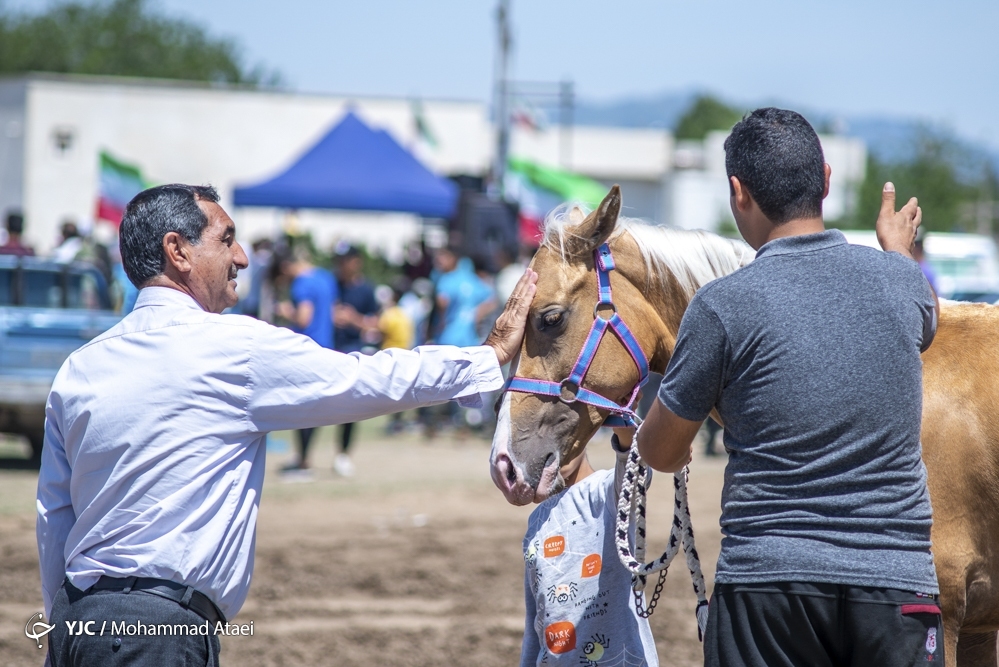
{"x":811,"y":355}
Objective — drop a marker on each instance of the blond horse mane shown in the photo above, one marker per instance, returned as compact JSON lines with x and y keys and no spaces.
{"x":693,"y":258}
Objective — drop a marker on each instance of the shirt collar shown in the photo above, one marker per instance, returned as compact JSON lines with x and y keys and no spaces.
{"x":790,"y":245}
{"x":165,"y":296}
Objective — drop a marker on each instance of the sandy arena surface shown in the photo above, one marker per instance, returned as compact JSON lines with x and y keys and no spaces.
{"x":414,"y":561}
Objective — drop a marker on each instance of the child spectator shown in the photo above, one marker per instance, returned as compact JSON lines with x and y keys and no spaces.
{"x":396,"y":329}
{"x":394,"y":323}
{"x":580,"y":604}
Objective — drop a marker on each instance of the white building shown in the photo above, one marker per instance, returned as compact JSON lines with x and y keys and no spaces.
{"x":697,"y":192}
{"x":639,"y":160}
{"x":53,"y":127}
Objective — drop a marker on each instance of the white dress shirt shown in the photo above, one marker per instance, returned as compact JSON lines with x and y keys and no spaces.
{"x":155,"y":437}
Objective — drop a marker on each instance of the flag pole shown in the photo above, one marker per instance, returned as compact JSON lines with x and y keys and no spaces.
{"x":501,"y":114}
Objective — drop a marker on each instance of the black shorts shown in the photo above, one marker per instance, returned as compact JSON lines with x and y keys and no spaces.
{"x":821,"y":625}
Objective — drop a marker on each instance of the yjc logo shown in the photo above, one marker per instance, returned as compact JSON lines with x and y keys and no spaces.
{"x":38,"y":629}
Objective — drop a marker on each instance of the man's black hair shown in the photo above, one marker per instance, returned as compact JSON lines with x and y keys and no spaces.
{"x":15,"y":223}
{"x":151,"y":215}
{"x":777,"y":157}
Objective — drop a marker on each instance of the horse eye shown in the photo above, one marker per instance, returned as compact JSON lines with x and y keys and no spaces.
{"x":552,"y":318}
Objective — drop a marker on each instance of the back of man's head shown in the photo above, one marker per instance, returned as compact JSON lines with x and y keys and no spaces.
{"x":15,"y":223}
{"x":151,"y":215}
{"x":777,"y":157}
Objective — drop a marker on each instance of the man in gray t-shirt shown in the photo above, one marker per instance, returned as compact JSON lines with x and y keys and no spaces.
{"x":811,"y":357}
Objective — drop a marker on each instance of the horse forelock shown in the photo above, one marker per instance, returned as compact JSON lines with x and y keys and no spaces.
{"x":692,"y":258}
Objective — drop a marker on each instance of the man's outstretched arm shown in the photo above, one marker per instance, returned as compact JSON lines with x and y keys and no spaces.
{"x":294,"y":383}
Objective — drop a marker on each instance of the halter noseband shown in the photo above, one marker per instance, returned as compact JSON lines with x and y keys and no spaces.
{"x":571,"y":390}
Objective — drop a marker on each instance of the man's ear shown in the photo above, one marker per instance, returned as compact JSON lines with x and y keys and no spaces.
{"x":740,"y":195}
{"x":177,"y":251}
{"x":594,"y":231}
{"x":828,"y":172}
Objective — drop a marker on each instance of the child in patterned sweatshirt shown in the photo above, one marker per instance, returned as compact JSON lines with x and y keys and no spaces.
{"x":580,"y":605}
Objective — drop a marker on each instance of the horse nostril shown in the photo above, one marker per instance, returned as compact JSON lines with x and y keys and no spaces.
{"x":548,"y":460}
{"x":511,"y":474}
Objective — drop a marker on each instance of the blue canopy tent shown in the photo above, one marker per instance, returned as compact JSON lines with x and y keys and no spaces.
{"x":356,"y":168}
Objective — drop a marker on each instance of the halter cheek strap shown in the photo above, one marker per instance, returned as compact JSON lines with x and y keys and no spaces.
{"x":571,"y":390}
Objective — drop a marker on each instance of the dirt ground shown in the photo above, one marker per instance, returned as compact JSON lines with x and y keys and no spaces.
{"x":414,"y":561}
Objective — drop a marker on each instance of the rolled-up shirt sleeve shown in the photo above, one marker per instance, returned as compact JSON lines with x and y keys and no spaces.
{"x":295,"y":383}
{"x":55,"y":515}
{"x":695,"y":376}
{"x":906,"y":283}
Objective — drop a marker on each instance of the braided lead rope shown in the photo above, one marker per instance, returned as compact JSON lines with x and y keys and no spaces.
{"x":632,"y":508}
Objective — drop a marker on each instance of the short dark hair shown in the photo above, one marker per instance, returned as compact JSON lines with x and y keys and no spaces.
{"x":777,"y":157}
{"x":15,"y":223}
{"x":151,"y":215}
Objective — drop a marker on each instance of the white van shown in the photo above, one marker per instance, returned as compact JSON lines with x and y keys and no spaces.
{"x":966,"y":265}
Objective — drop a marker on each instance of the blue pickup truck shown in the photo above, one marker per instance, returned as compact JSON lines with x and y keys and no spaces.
{"x":47,"y":310}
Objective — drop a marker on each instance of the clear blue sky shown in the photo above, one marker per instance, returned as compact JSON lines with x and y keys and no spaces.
{"x":937,"y":61}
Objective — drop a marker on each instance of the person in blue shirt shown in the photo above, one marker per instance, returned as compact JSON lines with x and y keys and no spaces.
{"x":463,"y":299}
{"x":313,"y":295}
{"x":356,"y":313}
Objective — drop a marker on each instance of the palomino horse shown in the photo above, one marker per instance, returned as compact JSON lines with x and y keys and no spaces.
{"x":657,"y":272}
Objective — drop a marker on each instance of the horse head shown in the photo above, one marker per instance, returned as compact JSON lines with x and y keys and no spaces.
{"x":656,"y":272}
{"x":537,"y":434}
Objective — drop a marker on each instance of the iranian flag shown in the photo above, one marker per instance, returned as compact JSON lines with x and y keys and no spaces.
{"x":119,"y":182}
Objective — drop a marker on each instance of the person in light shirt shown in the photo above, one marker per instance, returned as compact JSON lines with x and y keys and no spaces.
{"x":155,"y":434}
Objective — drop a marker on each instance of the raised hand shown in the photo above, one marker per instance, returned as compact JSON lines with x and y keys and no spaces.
{"x":896,"y":230}
{"x":508,"y":332}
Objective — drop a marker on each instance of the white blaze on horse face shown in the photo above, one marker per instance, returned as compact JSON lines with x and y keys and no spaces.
{"x":503,"y":436}
{"x":503,"y":468}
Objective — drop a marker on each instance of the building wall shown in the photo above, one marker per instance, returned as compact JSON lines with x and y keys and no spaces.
{"x":697,"y":195}
{"x":183,"y":132}
{"x":226,"y":137}
{"x":12,"y":99}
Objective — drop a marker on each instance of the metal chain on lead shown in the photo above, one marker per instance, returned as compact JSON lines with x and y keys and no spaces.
{"x":650,"y":608}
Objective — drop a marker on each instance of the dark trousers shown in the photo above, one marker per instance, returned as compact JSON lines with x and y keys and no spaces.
{"x":791,"y":624}
{"x":346,"y":434}
{"x":304,"y":439}
{"x":108,"y":648}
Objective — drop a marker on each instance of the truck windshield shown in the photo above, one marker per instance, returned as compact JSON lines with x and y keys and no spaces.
{"x":76,"y":287}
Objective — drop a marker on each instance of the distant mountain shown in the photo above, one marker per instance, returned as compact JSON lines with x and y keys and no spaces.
{"x":656,"y":111}
{"x":888,"y":138}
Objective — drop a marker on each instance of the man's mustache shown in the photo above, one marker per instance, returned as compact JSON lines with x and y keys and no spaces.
{"x":232,"y":272}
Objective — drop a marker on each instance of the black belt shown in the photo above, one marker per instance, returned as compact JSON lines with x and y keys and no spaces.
{"x":183,"y":595}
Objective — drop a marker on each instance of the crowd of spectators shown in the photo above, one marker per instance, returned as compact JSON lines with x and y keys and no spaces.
{"x":336,"y":299}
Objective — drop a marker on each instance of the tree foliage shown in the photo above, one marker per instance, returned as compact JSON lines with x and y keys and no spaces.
{"x":946,"y":176}
{"x":119,"y":37}
{"x":705,"y":115}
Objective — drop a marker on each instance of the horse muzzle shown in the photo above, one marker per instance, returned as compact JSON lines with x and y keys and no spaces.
{"x":524,"y":481}
{"x":517,"y":488}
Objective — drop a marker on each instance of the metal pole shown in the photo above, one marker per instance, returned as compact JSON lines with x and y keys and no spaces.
{"x":501,"y":113}
{"x":565,"y":113}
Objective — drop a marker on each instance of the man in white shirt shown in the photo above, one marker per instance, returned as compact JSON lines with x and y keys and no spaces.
{"x":155,"y":436}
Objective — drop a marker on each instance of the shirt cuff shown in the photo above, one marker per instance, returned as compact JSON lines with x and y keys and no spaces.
{"x":486,"y":376}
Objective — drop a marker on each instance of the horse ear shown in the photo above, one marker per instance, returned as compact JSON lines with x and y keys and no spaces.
{"x":594,"y":231}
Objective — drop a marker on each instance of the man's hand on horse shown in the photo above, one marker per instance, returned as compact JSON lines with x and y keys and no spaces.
{"x":897,"y":229}
{"x":508,"y":332}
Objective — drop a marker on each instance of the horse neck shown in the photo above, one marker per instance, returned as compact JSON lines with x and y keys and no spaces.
{"x":669,"y":301}
{"x":668,"y":298}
